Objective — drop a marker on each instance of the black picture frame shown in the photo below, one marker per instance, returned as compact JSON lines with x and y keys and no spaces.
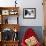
{"x":29,"y":13}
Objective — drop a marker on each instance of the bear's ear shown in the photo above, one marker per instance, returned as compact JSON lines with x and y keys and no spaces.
{"x":28,"y":42}
{"x":34,"y":40}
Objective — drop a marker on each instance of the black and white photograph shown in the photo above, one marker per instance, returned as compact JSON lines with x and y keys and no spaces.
{"x":29,"y":13}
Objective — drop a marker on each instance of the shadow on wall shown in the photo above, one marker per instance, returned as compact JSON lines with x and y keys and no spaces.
{"x":37,"y":29}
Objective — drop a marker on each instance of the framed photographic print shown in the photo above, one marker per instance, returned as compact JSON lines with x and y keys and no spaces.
{"x":10,"y":20}
{"x":5,"y":20}
{"x":13,"y":12}
{"x":5,"y":12}
{"x":29,"y":13}
{"x":13,"y":20}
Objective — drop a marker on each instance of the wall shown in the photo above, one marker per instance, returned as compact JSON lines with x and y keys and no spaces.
{"x":27,"y":4}
{"x":39,"y":13}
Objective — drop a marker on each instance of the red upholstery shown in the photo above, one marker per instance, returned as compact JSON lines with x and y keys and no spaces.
{"x":29,"y":33}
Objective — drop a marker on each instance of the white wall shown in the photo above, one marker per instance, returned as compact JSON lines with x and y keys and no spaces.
{"x":27,"y":4}
{"x":39,"y":13}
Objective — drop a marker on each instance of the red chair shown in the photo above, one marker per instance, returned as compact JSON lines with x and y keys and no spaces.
{"x":29,"y":33}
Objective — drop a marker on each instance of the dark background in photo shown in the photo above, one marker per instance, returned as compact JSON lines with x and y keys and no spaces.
{"x":27,"y":12}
